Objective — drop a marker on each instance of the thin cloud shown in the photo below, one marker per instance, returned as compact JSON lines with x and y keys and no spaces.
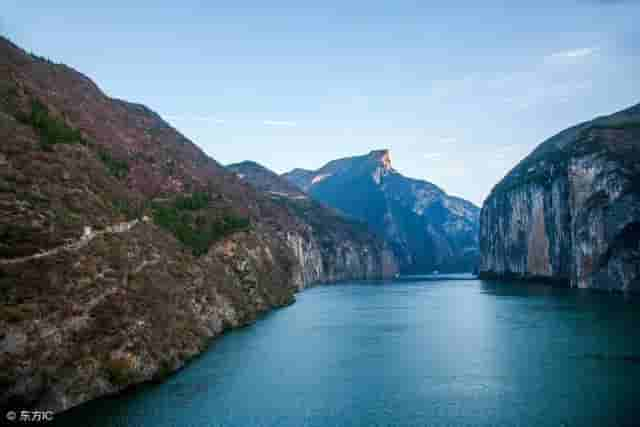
{"x":433,"y":156}
{"x":575,"y":53}
{"x":502,"y":155}
{"x":611,"y":2}
{"x":453,"y":88}
{"x":448,"y":140}
{"x":539,"y":85}
{"x":505,"y":150}
{"x":452,"y":171}
{"x":214,"y":119}
{"x":194,"y":118}
{"x":283,"y":123}
{"x":538,"y":92}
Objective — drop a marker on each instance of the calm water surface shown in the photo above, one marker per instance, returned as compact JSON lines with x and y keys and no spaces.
{"x":413,"y":352}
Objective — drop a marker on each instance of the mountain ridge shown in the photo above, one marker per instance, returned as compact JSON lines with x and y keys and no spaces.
{"x":343,"y":248}
{"x":429,"y":229}
{"x":124,"y":248}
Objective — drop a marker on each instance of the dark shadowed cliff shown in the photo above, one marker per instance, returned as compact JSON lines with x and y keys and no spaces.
{"x":570,"y":211}
{"x":427,"y":229}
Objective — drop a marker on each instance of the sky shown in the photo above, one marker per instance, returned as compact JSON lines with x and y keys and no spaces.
{"x":458,"y":91}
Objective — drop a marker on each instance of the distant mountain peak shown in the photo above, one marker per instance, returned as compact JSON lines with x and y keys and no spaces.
{"x":265,"y":179}
{"x":427,"y":228}
{"x":381,"y":160}
{"x":301,"y":170}
{"x":383,"y":157}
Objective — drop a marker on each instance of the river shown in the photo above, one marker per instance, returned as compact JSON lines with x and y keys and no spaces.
{"x":445,"y":351}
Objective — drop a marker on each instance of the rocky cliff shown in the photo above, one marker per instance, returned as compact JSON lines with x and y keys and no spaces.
{"x":570,"y":211}
{"x":328,"y":247}
{"x":427,"y":229}
{"x":124,"y":249}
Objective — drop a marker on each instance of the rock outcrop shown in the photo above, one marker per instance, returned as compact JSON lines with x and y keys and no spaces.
{"x":570,"y":211}
{"x":426,"y":228}
{"x":328,"y":247}
{"x":124,"y":249}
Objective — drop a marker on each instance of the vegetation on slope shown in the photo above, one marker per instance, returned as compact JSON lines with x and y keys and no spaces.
{"x":51,"y":129}
{"x":185,"y":219}
{"x":116,"y":167}
{"x":182,"y":217}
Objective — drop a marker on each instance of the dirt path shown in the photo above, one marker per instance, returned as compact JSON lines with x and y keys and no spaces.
{"x":80,"y":243}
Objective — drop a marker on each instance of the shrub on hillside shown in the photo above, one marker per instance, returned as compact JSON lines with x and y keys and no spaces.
{"x":197,"y":232}
{"x":52,"y":130}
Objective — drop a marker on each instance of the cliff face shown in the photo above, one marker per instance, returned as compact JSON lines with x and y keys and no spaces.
{"x":427,"y":229}
{"x":327,"y":247}
{"x":570,"y":211}
{"x":124,"y":249}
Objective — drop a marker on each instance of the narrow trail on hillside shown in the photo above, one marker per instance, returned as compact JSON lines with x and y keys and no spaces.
{"x":80,"y":243}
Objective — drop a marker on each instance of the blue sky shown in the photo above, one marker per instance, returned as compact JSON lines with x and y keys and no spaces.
{"x":458,"y":91}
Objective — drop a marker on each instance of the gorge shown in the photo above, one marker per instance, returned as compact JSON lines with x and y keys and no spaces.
{"x":335,"y":248}
{"x":126,"y":251}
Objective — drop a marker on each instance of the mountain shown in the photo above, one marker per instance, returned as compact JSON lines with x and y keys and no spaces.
{"x":570,"y":211}
{"x":266,"y":180}
{"x":336,"y":248}
{"x":427,"y":229}
{"x":124,"y":249}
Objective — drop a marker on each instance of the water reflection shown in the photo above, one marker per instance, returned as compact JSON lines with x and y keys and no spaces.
{"x":419,"y":351}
